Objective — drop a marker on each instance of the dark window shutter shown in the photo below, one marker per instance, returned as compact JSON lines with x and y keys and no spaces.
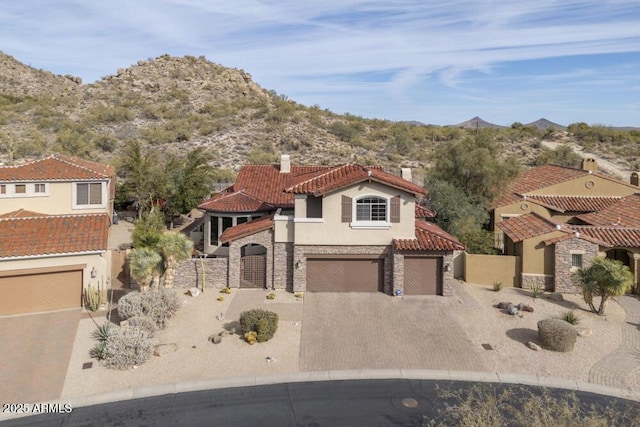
{"x":346,"y":209}
{"x":395,"y":209}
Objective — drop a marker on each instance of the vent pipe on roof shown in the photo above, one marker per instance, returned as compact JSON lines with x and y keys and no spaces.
{"x":285,"y":164}
{"x":406,"y":174}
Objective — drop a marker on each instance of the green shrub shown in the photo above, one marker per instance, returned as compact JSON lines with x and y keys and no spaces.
{"x":98,"y":351}
{"x":130,"y":305}
{"x":497,"y":286}
{"x":271,"y":295}
{"x":264,"y":323}
{"x":571,"y":318}
{"x":157,"y":304}
{"x":536,"y":291}
{"x":127,"y":347}
{"x":556,"y":335}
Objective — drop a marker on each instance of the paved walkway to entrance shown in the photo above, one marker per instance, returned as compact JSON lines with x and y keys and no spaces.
{"x":615,"y":369}
{"x":35,"y":355}
{"x":373,"y":331}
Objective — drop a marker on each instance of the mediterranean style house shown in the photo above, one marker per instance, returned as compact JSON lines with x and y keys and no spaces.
{"x":55,"y":215}
{"x":327,"y":228}
{"x":554,"y":219}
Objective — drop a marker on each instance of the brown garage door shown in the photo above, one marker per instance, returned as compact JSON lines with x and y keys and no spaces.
{"x":29,"y":293}
{"x":422,"y":276}
{"x":345,"y":275}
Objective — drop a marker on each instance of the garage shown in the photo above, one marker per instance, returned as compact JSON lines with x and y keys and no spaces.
{"x":423,"y":276}
{"x":345,"y":274}
{"x":44,"y":289}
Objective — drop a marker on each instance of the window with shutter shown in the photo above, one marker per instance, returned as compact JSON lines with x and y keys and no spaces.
{"x":346,"y":209}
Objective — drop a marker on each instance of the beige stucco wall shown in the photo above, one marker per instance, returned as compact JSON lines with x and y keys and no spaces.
{"x":578,"y":187}
{"x":537,"y":258}
{"x":57,"y":201}
{"x":488,"y":269}
{"x":332,"y":231}
{"x":283,"y":230}
{"x":101,"y":264}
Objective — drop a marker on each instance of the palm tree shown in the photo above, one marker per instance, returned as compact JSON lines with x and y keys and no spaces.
{"x":604,"y":278}
{"x":174,"y":247}
{"x":145,"y":265}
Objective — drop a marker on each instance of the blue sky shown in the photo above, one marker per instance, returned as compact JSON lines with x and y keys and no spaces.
{"x":438,"y":62}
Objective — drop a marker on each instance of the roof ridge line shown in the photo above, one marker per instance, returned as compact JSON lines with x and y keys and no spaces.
{"x":55,"y":156}
{"x":331,"y":169}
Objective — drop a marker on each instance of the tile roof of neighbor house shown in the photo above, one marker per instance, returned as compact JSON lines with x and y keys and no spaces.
{"x":53,"y":235}
{"x":611,"y":236}
{"x":574,"y":203}
{"x":21,"y":213}
{"x":624,"y":213}
{"x":57,"y":168}
{"x":246,"y":229}
{"x":267,"y":185}
{"x":522,"y":227}
{"x":422,"y":212}
{"x":429,"y":237}
{"x":235,"y":202}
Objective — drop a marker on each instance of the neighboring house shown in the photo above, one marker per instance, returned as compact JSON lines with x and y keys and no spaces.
{"x":557,"y":219}
{"x":327,"y":228}
{"x":54,"y":225}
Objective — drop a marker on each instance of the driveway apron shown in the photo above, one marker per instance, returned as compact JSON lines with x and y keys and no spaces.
{"x":375,"y":331}
{"x":35,"y":355}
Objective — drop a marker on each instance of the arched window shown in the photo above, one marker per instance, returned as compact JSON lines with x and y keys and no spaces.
{"x":371,"y":208}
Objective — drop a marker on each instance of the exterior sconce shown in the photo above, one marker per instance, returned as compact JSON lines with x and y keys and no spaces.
{"x":447,"y":267}
{"x":298,"y":265}
{"x":94,"y":273}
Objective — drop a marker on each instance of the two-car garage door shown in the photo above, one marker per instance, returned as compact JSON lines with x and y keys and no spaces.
{"x":40,"y":290}
{"x":345,"y":275}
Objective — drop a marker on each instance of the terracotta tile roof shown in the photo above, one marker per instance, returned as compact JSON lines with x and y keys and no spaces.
{"x":56,"y":168}
{"x":350,"y":174}
{"x":247,"y":229}
{"x":235,"y":202}
{"x":422,"y":212}
{"x":611,"y":236}
{"x":574,"y":203}
{"x":522,"y":227}
{"x":21,"y":213}
{"x":273,"y":189}
{"x":429,"y":237}
{"x":55,"y":234}
{"x":624,"y":213}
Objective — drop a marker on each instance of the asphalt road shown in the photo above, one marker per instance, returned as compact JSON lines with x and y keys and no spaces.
{"x":327,"y":403}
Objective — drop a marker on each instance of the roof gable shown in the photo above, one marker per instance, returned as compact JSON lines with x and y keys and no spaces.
{"x":246,"y":229}
{"x":429,"y":237}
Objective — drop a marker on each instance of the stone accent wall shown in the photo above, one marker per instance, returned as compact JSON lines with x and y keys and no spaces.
{"x":283,"y":266}
{"x":544,"y":281}
{"x":189,"y":273}
{"x":447,"y":276}
{"x":563,"y":282}
{"x":264,"y":238}
{"x":300,"y":253}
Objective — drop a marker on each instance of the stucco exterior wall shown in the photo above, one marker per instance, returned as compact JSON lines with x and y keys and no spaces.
{"x":579,"y":187}
{"x":332,"y":231}
{"x":488,"y":269}
{"x":563,"y":269}
{"x":537,"y":258}
{"x":283,"y":229}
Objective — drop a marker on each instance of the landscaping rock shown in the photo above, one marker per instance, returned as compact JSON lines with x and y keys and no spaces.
{"x":223,"y":334}
{"x":194,"y":292}
{"x":556,"y":296}
{"x":215,"y":339}
{"x":512,"y":310}
{"x":534,"y":346}
{"x":584,"y":332}
{"x":525,"y":307}
{"x":162,"y":349}
{"x":557,"y":335}
{"x":504,"y":305}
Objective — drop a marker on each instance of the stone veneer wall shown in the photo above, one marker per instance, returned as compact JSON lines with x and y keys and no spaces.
{"x":447,"y":276}
{"x":283,"y":266}
{"x":300,"y":253}
{"x":189,"y":273}
{"x":264,"y":238}
{"x":563,"y":282}
{"x":529,"y":280}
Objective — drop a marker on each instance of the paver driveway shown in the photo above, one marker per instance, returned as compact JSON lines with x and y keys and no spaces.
{"x":373,"y":330}
{"x":35,"y":355}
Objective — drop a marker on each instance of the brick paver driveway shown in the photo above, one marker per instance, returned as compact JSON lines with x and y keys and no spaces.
{"x":35,"y":355}
{"x":375,"y":331}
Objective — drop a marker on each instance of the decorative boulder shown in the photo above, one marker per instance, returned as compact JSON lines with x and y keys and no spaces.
{"x":557,"y":335}
{"x":533,"y":346}
{"x":504,"y":305}
{"x":194,"y":292}
{"x":525,"y":307}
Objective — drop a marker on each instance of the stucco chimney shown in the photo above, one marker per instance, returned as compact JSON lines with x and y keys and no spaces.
{"x":406,"y":174}
{"x":285,"y":163}
{"x":590,"y":164}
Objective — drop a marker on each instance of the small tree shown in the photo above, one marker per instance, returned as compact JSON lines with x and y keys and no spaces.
{"x":604,"y":278}
{"x":148,"y":229}
{"x":174,"y":248}
{"x":145,"y":265}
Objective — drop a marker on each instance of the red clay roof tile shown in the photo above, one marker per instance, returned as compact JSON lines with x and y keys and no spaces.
{"x":56,"y":168}
{"x":575,"y":203}
{"x":235,"y":202}
{"x":624,"y":213}
{"x":529,"y":225}
{"x":54,"y":234}
{"x":429,"y":237}
{"x":247,"y":229}
{"x":422,"y":212}
{"x":21,"y":213}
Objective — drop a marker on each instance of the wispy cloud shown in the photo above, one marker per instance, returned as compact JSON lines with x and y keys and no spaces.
{"x":388,"y":51}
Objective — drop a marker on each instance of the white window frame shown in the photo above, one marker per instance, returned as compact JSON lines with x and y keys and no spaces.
{"x":29,"y":190}
{"x":104,"y":197}
{"x":369,"y":225}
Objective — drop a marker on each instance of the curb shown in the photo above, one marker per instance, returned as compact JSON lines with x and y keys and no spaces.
{"x":361,"y":374}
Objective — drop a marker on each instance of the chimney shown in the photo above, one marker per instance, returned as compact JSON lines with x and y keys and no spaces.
{"x":406,"y":174}
{"x":285,"y":163}
{"x":590,"y":164}
{"x":634,"y":179}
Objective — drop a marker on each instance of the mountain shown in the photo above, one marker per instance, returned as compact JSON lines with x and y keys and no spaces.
{"x":545,"y":124}
{"x":478,"y":123}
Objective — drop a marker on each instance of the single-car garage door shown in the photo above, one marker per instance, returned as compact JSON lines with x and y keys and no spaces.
{"x":422,"y":276}
{"x":345,"y":275}
{"x":41,"y":291}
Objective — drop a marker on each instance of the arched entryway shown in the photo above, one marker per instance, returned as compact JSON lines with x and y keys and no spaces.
{"x":621,"y":255}
{"x":253,"y":266}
